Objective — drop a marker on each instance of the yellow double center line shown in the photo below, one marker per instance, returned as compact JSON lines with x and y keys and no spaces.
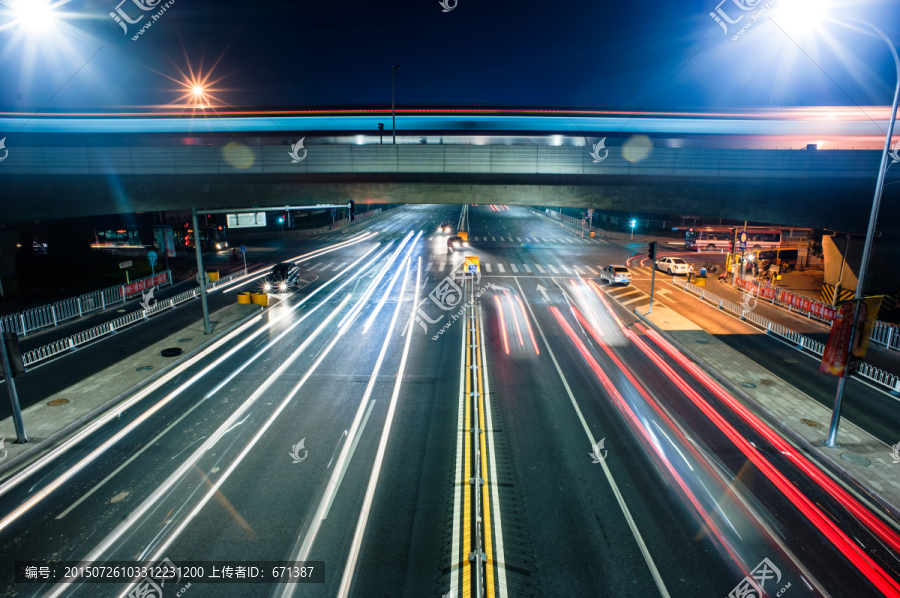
{"x":476,"y":530}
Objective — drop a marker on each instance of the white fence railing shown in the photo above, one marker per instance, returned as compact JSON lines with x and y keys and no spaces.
{"x":73,"y":342}
{"x":881,"y":377}
{"x":75,"y":307}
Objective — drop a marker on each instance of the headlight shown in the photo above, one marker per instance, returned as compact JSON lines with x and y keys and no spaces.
{"x":465,"y":244}
{"x":267,"y":287}
{"x":283,"y":286}
{"x":218,"y":246}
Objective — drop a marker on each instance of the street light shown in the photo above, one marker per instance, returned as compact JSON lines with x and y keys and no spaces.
{"x":633,"y":223}
{"x":394,"y":69}
{"x":870,"y":231}
{"x":34,"y":15}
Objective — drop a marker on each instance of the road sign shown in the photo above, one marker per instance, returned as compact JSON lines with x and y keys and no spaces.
{"x":123,"y":265}
{"x":472,"y":264}
{"x":151,"y":257}
{"x":742,"y":240}
{"x":243,"y":249}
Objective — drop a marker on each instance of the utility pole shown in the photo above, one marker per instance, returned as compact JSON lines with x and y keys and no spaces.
{"x":394,"y":69}
{"x":6,"y":366}
{"x":652,"y":254}
{"x":201,"y":275}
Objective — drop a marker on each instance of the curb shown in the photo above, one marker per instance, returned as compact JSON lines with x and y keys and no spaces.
{"x":813,"y":451}
{"x":46,"y":443}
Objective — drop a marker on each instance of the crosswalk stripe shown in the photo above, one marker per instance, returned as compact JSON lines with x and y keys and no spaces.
{"x":502,"y":269}
{"x":441,"y":266}
{"x":493,"y":238}
{"x":554,"y":270}
{"x":428,"y":267}
{"x":538,"y":266}
{"x":594,"y":272}
{"x":628,"y":291}
{"x":519,"y":239}
{"x":487,"y":267}
{"x":527,"y":269}
{"x":566,"y":270}
{"x":513,"y":266}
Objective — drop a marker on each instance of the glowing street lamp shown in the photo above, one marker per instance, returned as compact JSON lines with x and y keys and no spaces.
{"x":34,"y":15}
{"x":633,"y":223}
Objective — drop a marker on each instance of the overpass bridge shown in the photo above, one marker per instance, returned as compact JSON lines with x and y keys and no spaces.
{"x":69,"y":166}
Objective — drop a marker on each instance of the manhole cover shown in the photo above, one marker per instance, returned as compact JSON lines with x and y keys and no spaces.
{"x":748,"y":385}
{"x":185,"y":340}
{"x":171,"y":352}
{"x":856,"y":459}
{"x":699,"y":342}
{"x":812,"y":424}
{"x":144,"y":368}
{"x":766,"y":382}
{"x":57,"y":402}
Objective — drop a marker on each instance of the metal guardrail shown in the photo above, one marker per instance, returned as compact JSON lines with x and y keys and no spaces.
{"x":71,"y":343}
{"x":886,"y":334}
{"x":53,"y":314}
{"x":865,"y":370}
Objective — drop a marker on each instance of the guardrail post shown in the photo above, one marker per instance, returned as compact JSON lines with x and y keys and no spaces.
{"x":22,"y":319}
{"x":102,"y":301}
{"x":123,"y":293}
{"x":889,"y":337}
{"x":721,"y":304}
{"x":112,"y":329}
{"x":53,"y":313}
{"x":79,"y":307}
{"x":71,"y":344}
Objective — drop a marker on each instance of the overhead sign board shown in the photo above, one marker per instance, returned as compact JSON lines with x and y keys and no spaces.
{"x":123,"y":265}
{"x":246,"y":220}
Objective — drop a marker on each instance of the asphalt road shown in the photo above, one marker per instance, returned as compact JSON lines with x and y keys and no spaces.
{"x":388,"y":425}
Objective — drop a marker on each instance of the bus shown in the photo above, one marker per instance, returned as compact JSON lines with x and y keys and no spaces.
{"x":212,"y":238}
{"x":720,"y":238}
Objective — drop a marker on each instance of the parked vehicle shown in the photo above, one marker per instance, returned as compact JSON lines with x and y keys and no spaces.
{"x":616,"y":274}
{"x":785,"y":259}
{"x":673,"y":265}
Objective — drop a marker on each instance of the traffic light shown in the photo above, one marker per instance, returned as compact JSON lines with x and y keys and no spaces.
{"x":651,"y":252}
{"x":290,"y":221}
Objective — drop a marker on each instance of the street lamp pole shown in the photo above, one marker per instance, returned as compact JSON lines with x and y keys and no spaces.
{"x":870,"y":233}
{"x":394,"y":69}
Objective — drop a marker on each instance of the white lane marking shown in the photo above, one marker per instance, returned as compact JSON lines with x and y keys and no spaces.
{"x":442,"y":265}
{"x":513,"y":266}
{"x":487,"y":267}
{"x":501,"y":268}
{"x":340,"y":478}
{"x":493,"y":238}
{"x":492,"y":464}
{"x":527,"y":269}
{"x":615,"y":488}
{"x":461,"y":433}
{"x":382,"y":447}
{"x":620,"y":292}
{"x":538,"y":266}
{"x":428,"y":267}
{"x":594,"y":272}
{"x":565,"y":269}
{"x":519,"y":239}
{"x":642,"y":296}
{"x":554,"y":270}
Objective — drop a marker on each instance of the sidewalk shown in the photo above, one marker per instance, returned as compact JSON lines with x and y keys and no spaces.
{"x":48,"y":421}
{"x":861,"y":459}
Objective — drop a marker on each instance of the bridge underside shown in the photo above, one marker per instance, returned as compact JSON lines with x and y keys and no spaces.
{"x":836,"y":203}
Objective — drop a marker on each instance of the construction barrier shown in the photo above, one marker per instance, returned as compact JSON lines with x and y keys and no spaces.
{"x":213,"y":276}
{"x":244,"y":298}
{"x":260,"y":298}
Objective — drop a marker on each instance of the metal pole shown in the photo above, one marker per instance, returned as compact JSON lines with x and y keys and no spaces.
{"x":244,"y":253}
{"x":652,"y":277}
{"x":201,"y":275}
{"x":21,"y":437}
{"x":867,"y":248}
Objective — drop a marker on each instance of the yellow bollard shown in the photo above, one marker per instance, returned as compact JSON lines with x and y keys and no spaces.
{"x":700,"y":281}
{"x":593,"y":234}
{"x":213,"y":276}
{"x":244,"y":298}
{"x":260,"y":299}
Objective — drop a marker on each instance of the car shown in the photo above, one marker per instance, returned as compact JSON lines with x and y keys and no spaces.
{"x":616,"y":273}
{"x":282,"y":276}
{"x":456,"y":242}
{"x":444,"y":227}
{"x":673,"y":265}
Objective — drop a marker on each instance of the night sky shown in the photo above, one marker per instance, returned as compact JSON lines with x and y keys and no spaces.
{"x":501,"y":53}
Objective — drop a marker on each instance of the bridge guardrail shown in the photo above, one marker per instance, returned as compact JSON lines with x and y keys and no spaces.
{"x":72,"y":342}
{"x":52,"y":314}
{"x":865,"y":370}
